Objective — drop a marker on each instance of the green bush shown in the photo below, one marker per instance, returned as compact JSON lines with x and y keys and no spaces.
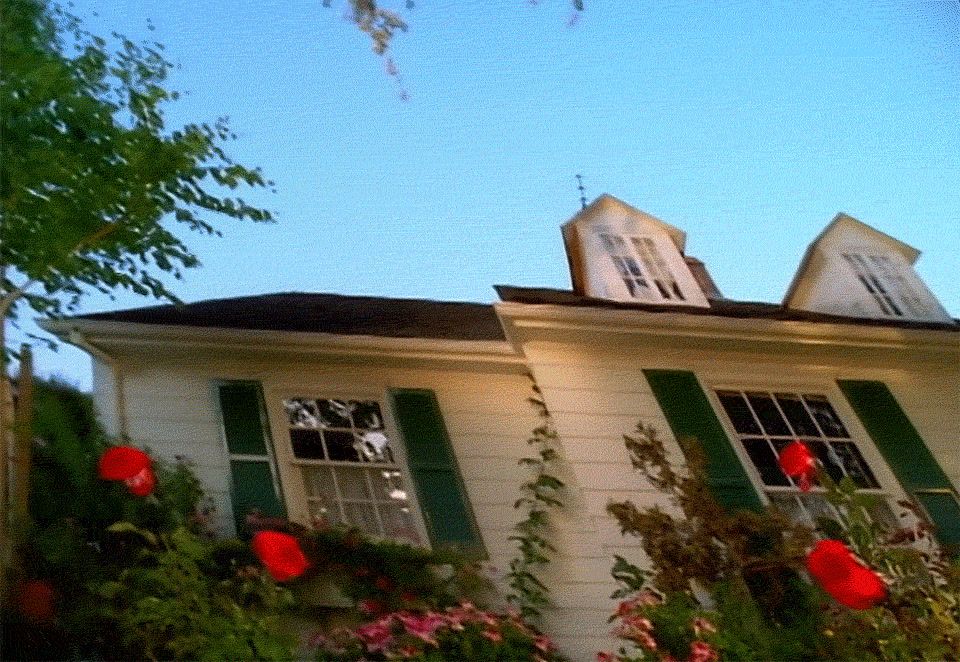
{"x":730,"y":585}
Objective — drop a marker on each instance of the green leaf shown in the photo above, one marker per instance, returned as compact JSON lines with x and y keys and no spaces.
{"x":128,"y":527}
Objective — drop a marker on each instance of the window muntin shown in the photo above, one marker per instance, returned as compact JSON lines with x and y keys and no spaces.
{"x":886,"y":283}
{"x":641,"y":267}
{"x":349,"y":468}
{"x":657,"y":268}
{"x":765,"y":422}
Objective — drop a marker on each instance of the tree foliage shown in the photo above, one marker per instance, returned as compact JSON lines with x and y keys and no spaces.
{"x":91,"y":176}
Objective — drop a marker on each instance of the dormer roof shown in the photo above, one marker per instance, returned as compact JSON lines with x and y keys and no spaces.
{"x":844,"y":224}
{"x":607,"y":203}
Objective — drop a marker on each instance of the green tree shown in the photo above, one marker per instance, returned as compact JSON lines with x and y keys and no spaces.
{"x":92,"y":180}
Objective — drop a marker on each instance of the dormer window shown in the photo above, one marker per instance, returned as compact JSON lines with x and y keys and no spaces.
{"x":628,"y":257}
{"x":886,"y":283}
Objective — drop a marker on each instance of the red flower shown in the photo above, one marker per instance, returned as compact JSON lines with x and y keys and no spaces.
{"x":131,"y":465}
{"x":143,"y":483}
{"x":281,"y":554}
{"x":35,"y":600}
{"x":122,"y":462}
{"x":848,"y":581}
{"x":798,"y":462}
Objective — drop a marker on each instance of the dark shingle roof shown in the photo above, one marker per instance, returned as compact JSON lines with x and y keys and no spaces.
{"x":718,"y":308}
{"x":326,"y":313}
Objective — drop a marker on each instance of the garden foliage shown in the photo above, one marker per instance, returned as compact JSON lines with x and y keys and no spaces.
{"x":731,"y":585}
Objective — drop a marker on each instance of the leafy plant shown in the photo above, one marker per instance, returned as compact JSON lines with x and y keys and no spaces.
{"x":734,"y":581}
{"x":169,"y":605}
{"x":540,"y":494}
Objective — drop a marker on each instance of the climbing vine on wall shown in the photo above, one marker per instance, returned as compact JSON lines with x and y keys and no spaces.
{"x":539,"y":495}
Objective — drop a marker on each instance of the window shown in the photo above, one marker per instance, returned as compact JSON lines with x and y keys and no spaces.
{"x":350,"y":470}
{"x":765,"y":422}
{"x":887,"y":284}
{"x":653,"y":280}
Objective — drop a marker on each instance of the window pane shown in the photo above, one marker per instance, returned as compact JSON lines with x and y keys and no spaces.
{"x":769,"y":415}
{"x":825,"y":415}
{"x":306,"y":444}
{"x":353,"y":483}
{"x":319,"y":483}
{"x":796,"y":413}
{"x":856,"y":466}
{"x":818,"y":507}
{"x":374,"y":446}
{"x":765,"y":461}
{"x":302,"y":413}
{"x":387,"y":485}
{"x":366,"y":415}
{"x":831,"y":461}
{"x":340,"y":446}
{"x":334,"y":413}
{"x":328,"y":514}
{"x":398,"y":522}
{"x":788,"y":504}
{"x":363,"y":516}
{"x":739,"y":413}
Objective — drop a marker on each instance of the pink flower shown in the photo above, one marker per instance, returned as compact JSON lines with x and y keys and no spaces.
{"x":370,"y":606}
{"x":701,"y":651}
{"x":376,"y":636}
{"x":543,"y":643}
{"x":423,"y":627}
{"x":493,"y":636}
{"x":604,"y":656}
{"x":703,"y":625}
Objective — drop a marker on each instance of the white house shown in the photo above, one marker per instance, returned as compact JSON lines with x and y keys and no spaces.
{"x":407,"y":417}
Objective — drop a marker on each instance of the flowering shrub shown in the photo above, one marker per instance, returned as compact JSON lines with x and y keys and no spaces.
{"x":461,"y":632}
{"x":731,"y":585}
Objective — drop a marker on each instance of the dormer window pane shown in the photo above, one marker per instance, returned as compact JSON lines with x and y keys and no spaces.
{"x":657,"y":267}
{"x":626,"y":264}
{"x":878,"y":287}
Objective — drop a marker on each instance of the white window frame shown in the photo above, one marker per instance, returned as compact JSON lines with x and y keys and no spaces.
{"x":890,"y":489}
{"x":656,"y":278}
{"x":290,"y":467}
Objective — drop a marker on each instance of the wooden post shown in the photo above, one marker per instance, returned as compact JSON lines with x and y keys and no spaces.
{"x":23,"y":456}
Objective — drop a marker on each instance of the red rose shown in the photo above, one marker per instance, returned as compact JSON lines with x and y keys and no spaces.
{"x":798,"y":462}
{"x":143,"y":483}
{"x":848,"y":581}
{"x":280,"y":553}
{"x":36,"y":600}
{"x":122,"y":462}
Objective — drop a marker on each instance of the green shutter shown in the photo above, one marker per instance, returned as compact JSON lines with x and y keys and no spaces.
{"x":689,"y":413}
{"x":433,"y":468}
{"x":911,"y":461}
{"x":252,"y":481}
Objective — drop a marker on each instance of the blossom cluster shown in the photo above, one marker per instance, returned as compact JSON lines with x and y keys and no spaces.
{"x":634,"y":627}
{"x":411,"y":635}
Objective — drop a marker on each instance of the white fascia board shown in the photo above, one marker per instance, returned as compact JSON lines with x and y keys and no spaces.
{"x":520,"y":319}
{"x":140,"y":336}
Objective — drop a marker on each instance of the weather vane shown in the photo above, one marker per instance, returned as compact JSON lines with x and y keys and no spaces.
{"x":583,"y":198}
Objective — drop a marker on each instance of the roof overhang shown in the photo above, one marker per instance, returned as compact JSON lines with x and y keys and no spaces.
{"x":119,"y":338}
{"x":522,"y":321}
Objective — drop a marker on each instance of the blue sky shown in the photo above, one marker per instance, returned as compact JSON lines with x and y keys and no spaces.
{"x":748,"y":125}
